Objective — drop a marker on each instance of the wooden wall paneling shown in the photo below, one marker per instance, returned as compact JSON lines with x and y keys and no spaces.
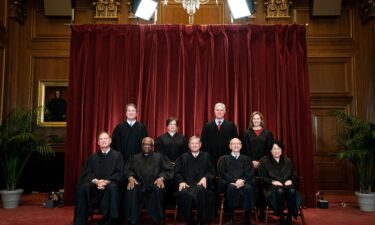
{"x":3,"y":13}
{"x":331,"y":75}
{"x":330,"y":173}
{"x":17,"y":84}
{"x":365,"y":51}
{"x":326,"y":28}
{"x":209,"y":13}
{"x":49,"y":27}
{"x":47,"y":66}
{"x":2,"y":79}
{"x":83,"y":15}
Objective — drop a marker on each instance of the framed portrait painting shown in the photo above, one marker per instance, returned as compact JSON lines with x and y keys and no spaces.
{"x":52,"y":95}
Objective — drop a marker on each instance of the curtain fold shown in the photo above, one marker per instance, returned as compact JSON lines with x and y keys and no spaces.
{"x":182,"y":71}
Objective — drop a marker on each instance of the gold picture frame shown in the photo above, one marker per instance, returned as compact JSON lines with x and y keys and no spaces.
{"x":52,"y":95}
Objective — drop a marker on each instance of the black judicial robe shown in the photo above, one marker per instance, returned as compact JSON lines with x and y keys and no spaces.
{"x":171,"y":146}
{"x":256,"y":146}
{"x":57,"y":110}
{"x":191,"y":170}
{"x":231,"y":169}
{"x":99,"y":166}
{"x":215,"y":141}
{"x":127,"y":139}
{"x":146,"y":169}
{"x":281,"y":171}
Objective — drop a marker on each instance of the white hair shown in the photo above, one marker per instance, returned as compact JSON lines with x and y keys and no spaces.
{"x":219,"y":104}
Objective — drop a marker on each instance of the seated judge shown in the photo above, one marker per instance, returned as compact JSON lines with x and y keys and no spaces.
{"x":99,"y":184}
{"x":172,"y":144}
{"x":146,"y":173}
{"x":194,"y":174}
{"x":280,"y":182}
{"x":236,"y":180}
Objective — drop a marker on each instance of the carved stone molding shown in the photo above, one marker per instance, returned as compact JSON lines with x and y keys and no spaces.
{"x":106,"y":9}
{"x":367,"y":10}
{"x":17,"y":10}
{"x":277,"y":8}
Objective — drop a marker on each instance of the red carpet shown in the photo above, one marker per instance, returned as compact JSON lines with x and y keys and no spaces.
{"x":31,"y":212}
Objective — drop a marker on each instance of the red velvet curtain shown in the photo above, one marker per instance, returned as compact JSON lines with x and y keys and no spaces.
{"x":182,"y":71}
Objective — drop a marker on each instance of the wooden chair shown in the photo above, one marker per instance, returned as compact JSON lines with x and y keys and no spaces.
{"x":222,"y":209}
{"x":299,"y":205}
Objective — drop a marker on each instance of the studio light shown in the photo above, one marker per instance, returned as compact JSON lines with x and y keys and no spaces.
{"x":241,"y":8}
{"x":144,"y":8}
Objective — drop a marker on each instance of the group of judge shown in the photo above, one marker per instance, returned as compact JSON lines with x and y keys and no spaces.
{"x":131,"y":171}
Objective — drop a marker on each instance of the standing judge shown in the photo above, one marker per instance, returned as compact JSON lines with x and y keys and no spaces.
{"x":146,"y":173}
{"x":257,"y":139}
{"x":194,"y":174}
{"x":99,"y":183}
{"x":217,"y":133}
{"x":236,"y":180}
{"x":127,"y":136}
{"x":172,"y":144}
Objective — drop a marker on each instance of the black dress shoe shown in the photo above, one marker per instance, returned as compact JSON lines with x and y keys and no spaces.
{"x":230,"y":221}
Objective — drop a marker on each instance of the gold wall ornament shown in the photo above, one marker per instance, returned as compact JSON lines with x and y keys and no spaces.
{"x":277,"y":8}
{"x":17,"y":10}
{"x":106,"y":9}
{"x":367,"y":10}
{"x":191,"y":6}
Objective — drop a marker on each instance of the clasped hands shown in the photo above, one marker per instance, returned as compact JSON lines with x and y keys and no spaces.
{"x":278,"y":183}
{"x":239,"y":183}
{"x":101,"y":184}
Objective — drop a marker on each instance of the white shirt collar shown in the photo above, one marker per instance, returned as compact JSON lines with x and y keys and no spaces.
{"x":195,"y":154}
{"x":221,"y":121}
{"x":172,"y":134}
{"x":235,"y":155}
{"x":105,"y":151}
{"x":131,"y":122}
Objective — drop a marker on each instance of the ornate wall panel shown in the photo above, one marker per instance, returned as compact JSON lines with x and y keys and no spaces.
{"x":340,"y":27}
{"x":2,"y":76}
{"x":3,"y":13}
{"x":330,"y":173}
{"x":50,"y":67}
{"x":44,"y":27}
{"x":207,"y":14}
{"x":46,"y":66}
{"x":331,"y":75}
{"x":83,"y":16}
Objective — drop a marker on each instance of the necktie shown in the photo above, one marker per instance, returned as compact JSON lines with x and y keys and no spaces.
{"x":218,"y":124}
